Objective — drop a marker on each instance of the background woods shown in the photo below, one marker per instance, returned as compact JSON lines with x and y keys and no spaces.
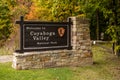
{"x":104,"y":16}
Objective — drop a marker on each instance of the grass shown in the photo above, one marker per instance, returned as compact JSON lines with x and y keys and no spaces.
{"x":106,"y":67}
{"x":6,"y":72}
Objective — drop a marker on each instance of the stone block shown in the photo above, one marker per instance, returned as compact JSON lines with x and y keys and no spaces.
{"x":49,"y":64}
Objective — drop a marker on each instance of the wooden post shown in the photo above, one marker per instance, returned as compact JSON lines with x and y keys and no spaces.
{"x":70,"y":23}
{"x":21,"y":33}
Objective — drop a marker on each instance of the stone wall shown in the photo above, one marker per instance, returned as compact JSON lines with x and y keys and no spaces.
{"x":79,"y":55}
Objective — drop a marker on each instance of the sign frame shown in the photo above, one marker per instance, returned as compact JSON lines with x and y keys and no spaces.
{"x":23,"y":23}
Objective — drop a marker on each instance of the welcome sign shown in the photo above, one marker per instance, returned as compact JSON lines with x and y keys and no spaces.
{"x":40,"y":36}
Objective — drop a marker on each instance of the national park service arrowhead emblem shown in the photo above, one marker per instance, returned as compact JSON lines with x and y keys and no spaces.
{"x":61,"y":31}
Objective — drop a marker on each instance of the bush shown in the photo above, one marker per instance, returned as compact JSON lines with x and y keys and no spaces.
{"x":5,"y":20}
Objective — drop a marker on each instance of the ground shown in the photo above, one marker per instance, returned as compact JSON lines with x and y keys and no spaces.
{"x":106,"y":67}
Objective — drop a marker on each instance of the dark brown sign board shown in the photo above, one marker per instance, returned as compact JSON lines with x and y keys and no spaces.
{"x":43,"y":36}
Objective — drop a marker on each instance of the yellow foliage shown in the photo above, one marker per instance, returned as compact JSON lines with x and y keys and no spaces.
{"x":32,"y":14}
{"x":38,"y":13}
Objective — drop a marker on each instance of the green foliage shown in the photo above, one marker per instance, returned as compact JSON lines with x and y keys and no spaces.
{"x":5,"y":20}
{"x":117,"y":47}
{"x":11,"y":10}
{"x":112,"y":31}
{"x":114,"y":24}
{"x":97,"y":11}
{"x":57,"y":10}
{"x":61,"y":10}
{"x":104,"y":15}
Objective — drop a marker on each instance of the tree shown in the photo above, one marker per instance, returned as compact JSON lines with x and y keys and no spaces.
{"x":20,"y":8}
{"x":55,"y":10}
{"x":110,"y":9}
{"x":97,"y":9}
{"x":5,"y":20}
{"x":39,"y":11}
{"x":114,"y":27}
{"x":10,"y":11}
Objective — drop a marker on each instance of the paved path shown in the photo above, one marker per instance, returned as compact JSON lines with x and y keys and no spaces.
{"x":109,"y":50}
{"x":5,"y":58}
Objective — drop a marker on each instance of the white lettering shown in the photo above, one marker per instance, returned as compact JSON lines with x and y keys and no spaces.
{"x":43,"y":33}
{"x":31,"y":33}
{"x":53,"y":42}
{"x":42,"y":43}
{"x":41,"y":38}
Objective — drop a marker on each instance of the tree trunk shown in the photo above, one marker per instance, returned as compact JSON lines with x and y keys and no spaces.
{"x":115,"y":9}
{"x":97,"y":27}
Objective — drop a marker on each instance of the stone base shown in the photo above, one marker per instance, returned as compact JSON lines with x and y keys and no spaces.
{"x":47,"y":59}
